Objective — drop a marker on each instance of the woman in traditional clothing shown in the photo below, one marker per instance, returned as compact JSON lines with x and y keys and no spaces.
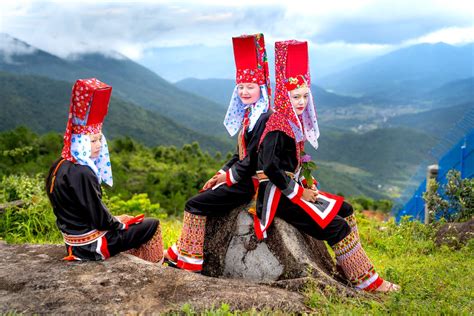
{"x":234,"y":184}
{"x":73,"y":186}
{"x":285,"y":193}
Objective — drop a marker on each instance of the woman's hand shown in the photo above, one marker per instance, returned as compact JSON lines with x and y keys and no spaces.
{"x":221,"y":177}
{"x":310,"y":195}
{"x":123,"y":218}
{"x":210,"y":183}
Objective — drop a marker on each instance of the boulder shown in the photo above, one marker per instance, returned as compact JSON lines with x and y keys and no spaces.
{"x":34,"y":280}
{"x":231,"y":250}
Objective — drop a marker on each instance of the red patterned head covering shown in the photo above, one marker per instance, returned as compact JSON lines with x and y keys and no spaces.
{"x":251,"y":60}
{"x":87,"y":110}
{"x":252,"y":67}
{"x":292,"y":72}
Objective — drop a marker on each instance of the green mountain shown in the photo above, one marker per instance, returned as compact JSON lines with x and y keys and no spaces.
{"x":220,"y":91}
{"x":217,"y":90}
{"x":42,"y":104}
{"x":131,"y":81}
{"x":405,"y":73}
{"x":434,"y":122}
{"x":382,"y":159}
{"x":452,"y":93}
{"x":446,"y":105}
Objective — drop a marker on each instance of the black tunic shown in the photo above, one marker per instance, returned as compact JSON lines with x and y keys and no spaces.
{"x":228,"y":196}
{"x":77,"y":203}
{"x":277,"y":156}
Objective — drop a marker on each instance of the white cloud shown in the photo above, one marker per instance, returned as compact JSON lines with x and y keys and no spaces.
{"x":449,"y":35}
{"x":10,"y":46}
{"x":337,"y":31}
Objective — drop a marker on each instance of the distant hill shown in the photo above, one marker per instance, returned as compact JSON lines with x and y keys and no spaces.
{"x":405,"y":73}
{"x":130,"y":81}
{"x":217,"y":90}
{"x":388,"y":154}
{"x":452,"y":93}
{"x":433,"y":122}
{"x":42,"y":104}
{"x":220,"y":91}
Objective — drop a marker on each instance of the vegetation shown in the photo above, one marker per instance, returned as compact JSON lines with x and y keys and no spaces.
{"x":42,"y":104}
{"x":168,"y":175}
{"x":454,"y":201}
{"x":434,"y":280}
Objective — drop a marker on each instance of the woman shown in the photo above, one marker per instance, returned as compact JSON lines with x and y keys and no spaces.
{"x":73,"y":186}
{"x":281,"y":191}
{"x":232,"y":185}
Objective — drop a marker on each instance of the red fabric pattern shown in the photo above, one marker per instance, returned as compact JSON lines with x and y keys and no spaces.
{"x":81,"y":99}
{"x":251,"y":60}
{"x":284,"y":113}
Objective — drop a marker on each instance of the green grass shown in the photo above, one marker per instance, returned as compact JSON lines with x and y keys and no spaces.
{"x":434,"y":280}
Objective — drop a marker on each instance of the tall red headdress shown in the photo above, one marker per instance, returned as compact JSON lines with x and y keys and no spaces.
{"x":251,"y":67}
{"x":292,"y":72}
{"x":251,"y":60}
{"x":87,"y":110}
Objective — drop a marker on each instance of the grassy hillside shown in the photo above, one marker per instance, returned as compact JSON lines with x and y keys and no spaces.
{"x":131,"y":82}
{"x":434,"y":280}
{"x":42,"y":104}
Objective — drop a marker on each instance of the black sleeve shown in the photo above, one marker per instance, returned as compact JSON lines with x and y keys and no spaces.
{"x":247,"y":167}
{"x":88,"y":193}
{"x":274,"y":150}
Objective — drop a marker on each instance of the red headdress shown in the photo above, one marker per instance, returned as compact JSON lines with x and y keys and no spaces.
{"x":87,"y":110}
{"x":251,"y":60}
{"x":252,"y":67}
{"x":291,"y":72}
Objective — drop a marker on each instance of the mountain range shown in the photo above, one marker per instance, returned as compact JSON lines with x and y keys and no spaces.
{"x":42,"y":105}
{"x":130,"y":81}
{"x":406,"y":73}
{"x":374,"y":129}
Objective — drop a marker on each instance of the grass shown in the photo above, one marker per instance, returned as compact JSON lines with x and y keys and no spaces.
{"x":435,"y":280}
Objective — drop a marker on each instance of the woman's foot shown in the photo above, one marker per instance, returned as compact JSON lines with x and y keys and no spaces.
{"x":388,"y":287}
{"x":168,"y":260}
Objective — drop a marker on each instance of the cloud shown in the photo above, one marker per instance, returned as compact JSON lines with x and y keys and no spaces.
{"x":130,"y":28}
{"x":450,"y":35}
{"x":10,"y":47}
{"x":349,"y":30}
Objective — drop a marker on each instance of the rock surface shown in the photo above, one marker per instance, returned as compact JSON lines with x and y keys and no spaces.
{"x":232,"y":250}
{"x":34,"y":279}
{"x":239,"y":270}
{"x":455,"y":235}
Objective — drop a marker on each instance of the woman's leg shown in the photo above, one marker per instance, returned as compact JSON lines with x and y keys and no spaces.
{"x":143,"y":240}
{"x":347,"y":212}
{"x":152,"y":250}
{"x":188,"y":252}
{"x":344,"y":240}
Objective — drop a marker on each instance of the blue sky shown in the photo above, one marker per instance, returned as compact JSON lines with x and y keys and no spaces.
{"x":192,"y":39}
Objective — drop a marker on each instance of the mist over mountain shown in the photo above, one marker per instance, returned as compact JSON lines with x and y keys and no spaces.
{"x":130,"y":81}
{"x":405,"y":73}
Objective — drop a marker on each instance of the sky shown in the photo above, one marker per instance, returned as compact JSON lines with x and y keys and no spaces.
{"x":180,"y":39}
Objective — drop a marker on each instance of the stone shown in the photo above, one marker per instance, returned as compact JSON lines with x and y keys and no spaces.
{"x":34,"y":280}
{"x":231,"y":250}
{"x":455,"y":235}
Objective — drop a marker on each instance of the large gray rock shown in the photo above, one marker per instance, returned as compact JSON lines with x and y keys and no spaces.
{"x":232,"y":250}
{"x":34,"y":280}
